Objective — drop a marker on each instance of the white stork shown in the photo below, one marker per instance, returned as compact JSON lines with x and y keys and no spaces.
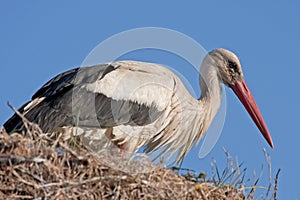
{"x":139,"y":104}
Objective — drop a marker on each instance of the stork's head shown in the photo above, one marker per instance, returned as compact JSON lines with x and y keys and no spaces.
{"x":230,"y":73}
{"x":228,"y":64}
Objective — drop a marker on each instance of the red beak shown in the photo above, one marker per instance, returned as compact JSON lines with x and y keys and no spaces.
{"x":242,"y":91}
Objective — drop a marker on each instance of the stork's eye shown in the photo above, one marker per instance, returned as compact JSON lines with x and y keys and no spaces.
{"x":232,"y":65}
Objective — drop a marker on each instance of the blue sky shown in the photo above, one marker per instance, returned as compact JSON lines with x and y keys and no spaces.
{"x":41,"y":39}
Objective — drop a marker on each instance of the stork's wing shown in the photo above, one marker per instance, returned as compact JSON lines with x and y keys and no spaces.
{"x":77,"y":97}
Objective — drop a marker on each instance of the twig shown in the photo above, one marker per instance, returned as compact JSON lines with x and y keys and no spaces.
{"x":22,"y":196}
{"x":32,"y":175}
{"x":71,"y":184}
{"x":268,"y":158}
{"x":26,"y":122}
{"x":22,"y":180}
{"x":70,"y":150}
{"x":11,"y":158}
{"x":276,"y":185}
{"x":203,"y":195}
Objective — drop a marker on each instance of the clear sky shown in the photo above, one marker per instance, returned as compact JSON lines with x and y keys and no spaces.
{"x":41,"y":39}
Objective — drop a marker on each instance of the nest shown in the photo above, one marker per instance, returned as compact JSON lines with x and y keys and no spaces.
{"x":36,"y":166}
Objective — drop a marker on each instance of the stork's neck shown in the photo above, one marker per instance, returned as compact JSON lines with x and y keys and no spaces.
{"x":211,"y":91}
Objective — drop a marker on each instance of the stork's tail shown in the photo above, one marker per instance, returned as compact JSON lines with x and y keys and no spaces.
{"x":15,"y":123}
